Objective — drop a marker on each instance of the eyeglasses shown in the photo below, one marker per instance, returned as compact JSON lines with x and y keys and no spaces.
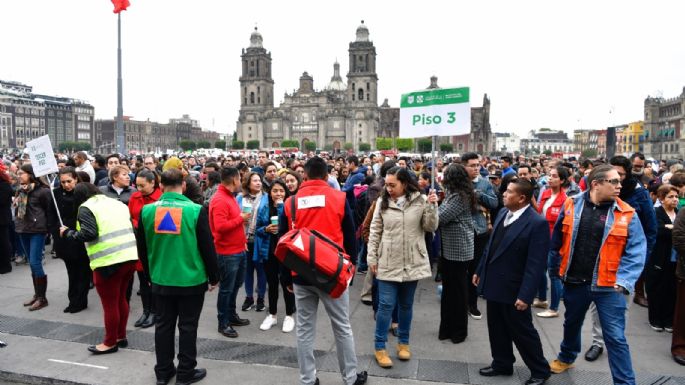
{"x":614,"y":182}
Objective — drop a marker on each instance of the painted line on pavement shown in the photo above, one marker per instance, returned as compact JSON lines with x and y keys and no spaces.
{"x":78,"y":364}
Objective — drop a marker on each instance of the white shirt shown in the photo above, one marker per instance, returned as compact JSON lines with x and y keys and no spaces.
{"x":548,"y":204}
{"x":513,"y":216}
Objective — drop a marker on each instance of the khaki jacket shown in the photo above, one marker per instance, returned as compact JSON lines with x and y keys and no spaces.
{"x":397,"y":239}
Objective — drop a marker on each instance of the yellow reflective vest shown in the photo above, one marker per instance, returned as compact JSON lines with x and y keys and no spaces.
{"x":116,"y":242}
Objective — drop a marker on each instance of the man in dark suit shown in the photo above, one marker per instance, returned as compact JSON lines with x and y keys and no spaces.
{"x":508,"y":276}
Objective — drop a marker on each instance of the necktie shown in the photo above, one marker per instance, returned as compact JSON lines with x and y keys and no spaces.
{"x":507,"y":220}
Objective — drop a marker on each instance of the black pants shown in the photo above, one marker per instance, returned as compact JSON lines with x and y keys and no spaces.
{"x":6,"y":250}
{"x":80,"y":275}
{"x":454,"y":318}
{"x":186,"y":309}
{"x":146,"y":293}
{"x":276,"y":273}
{"x":479,"y":243}
{"x":507,"y":325}
{"x":660,"y":286}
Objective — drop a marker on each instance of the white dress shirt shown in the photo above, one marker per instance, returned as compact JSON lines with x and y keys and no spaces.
{"x":513,"y":216}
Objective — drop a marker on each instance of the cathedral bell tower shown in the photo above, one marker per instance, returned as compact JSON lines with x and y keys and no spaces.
{"x":362,"y":79}
{"x":256,"y":84}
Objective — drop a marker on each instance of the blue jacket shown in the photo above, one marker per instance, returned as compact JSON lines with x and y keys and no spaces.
{"x":356,"y":177}
{"x":644,"y":208}
{"x":262,"y":239}
{"x":487,"y":198}
{"x":264,"y":203}
{"x":634,"y":254}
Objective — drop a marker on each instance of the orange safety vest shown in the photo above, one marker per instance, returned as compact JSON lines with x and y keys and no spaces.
{"x":612,"y":249}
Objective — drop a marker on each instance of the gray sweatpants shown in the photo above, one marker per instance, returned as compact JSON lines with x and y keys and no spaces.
{"x":307,"y":303}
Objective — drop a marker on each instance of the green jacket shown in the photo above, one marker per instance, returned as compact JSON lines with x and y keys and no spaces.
{"x":171,"y":241}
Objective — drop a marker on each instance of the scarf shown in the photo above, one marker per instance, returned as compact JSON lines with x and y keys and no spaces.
{"x":23,"y":200}
{"x":256,"y":199}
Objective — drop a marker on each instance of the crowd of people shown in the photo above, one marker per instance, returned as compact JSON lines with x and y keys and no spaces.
{"x":595,"y":234}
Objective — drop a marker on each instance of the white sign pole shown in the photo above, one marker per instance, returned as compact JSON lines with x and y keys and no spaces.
{"x":434,"y":169}
{"x":44,"y":163}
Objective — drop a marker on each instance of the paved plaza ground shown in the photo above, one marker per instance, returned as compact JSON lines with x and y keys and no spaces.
{"x":49,"y":346}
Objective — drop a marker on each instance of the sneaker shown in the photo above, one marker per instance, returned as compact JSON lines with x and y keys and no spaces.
{"x":288,"y":324}
{"x":248,"y":304}
{"x":475,"y":313}
{"x":549,"y":313}
{"x":361,"y":378}
{"x":260,"y":305}
{"x":540,"y":304}
{"x":268,"y":322}
{"x":668,"y":329}
{"x":657,"y":328}
{"x":403,"y":352}
{"x":383,"y":359}
{"x":557,"y":366}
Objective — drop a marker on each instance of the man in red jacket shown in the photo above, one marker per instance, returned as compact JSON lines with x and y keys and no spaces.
{"x":226,"y":222}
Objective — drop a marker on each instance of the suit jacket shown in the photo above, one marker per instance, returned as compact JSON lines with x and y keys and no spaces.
{"x":514,"y":270}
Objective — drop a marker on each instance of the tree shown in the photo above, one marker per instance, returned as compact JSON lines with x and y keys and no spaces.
{"x":405,"y":144}
{"x":547,"y":152}
{"x":310,"y":146}
{"x":203,"y":144}
{"x":364,"y":147}
{"x":187,"y":145}
{"x":348,"y":146}
{"x":235,"y":136}
{"x":446,"y":147}
{"x":74,"y":146}
{"x":425,"y":145}
{"x":589,"y":153}
{"x":288,"y":143}
{"x":238,"y":145}
{"x":384,"y":144}
{"x":328,"y":147}
{"x":253,"y":144}
{"x":220,"y":144}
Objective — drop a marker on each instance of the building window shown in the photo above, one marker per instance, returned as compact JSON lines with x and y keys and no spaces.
{"x":368,"y":86}
{"x":251,"y":97}
{"x":361,"y":94}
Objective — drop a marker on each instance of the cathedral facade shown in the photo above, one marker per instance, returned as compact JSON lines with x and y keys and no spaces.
{"x":341,"y":113}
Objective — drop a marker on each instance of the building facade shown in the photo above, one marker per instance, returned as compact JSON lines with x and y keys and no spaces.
{"x":663,"y":125}
{"x":507,"y":143}
{"x":546,"y":140}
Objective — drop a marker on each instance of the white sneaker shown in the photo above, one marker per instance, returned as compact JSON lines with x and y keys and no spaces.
{"x":268,"y":322}
{"x":288,"y":324}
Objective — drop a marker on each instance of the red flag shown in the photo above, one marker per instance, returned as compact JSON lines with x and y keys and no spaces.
{"x":120,"y":5}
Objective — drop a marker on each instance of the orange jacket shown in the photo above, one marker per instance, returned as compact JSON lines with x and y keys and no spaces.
{"x":612,"y":250}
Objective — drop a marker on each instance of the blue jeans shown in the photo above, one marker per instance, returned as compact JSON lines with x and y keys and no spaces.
{"x":389,"y":295}
{"x":232,"y":274}
{"x":556,"y":291}
{"x":250,"y":267}
{"x":34,"y":245}
{"x":374,"y":301}
{"x":611,"y":307}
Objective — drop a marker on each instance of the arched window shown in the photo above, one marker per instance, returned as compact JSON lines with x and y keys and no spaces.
{"x":252,"y":97}
{"x":361,"y":94}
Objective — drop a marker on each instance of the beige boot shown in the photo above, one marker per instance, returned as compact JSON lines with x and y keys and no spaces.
{"x":403,"y":352}
{"x":383,"y":359}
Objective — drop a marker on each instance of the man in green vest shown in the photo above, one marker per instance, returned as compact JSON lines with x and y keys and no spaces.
{"x":176,"y":248}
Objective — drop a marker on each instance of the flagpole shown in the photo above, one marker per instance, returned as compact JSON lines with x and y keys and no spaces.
{"x":121,"y":144}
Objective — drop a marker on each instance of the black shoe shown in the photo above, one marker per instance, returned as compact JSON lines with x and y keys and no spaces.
{"x":93,"y":349}
{"x":67,"y":309}
{"x":248,"y":304}
{"x":679,"y":359}
{"x":141,"y":319}
{"x":198,"y":375}
{"x":317,"y":381}
{"x":237,"y":321}
{"x":361,"y":378}
{"x":122,"y":343}
{"x":593,"y":353}
{"x":165,"y":381}
{"x":492,"y":372}
{"x":536,"y":381}
{"x":438,"y":277}
{"x":76,"y":309}
{"x":475,"y":313}
{"x":149,"y":321}
{"x":228,"y":332}
{"x":394,"y":331}
{"x":260,"y":305}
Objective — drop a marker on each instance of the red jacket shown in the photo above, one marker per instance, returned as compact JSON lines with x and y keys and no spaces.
{"x":326,"y":212}
{"x":138,"y":200}
{"x":226,"y":223}
{"x":553,"y":210}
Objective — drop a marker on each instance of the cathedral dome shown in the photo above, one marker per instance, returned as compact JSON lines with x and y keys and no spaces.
{"x":256,"y":39}
{"x":362,"y":32}
{"x":336,"y":83}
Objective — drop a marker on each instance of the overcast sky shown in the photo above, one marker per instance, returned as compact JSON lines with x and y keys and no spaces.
{"x":563,"y":65}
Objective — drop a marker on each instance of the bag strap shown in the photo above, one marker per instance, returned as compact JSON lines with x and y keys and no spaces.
{"x":312,"y":258}
{"x":292,"y":211}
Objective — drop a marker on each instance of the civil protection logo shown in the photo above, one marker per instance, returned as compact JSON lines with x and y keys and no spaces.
{"x":410,"y":99}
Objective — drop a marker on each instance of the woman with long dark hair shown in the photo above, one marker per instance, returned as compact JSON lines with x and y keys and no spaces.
{"x":265,"y":244}
{"x":5,"y":220}
{"x":147,"y":183}
{"x":292,"y":182}
{"x":33,"y":213}
{"x":397,"y":255}
{"x":104,"y":225}
{"x":457,"y":232}
{"x":72,"y":252}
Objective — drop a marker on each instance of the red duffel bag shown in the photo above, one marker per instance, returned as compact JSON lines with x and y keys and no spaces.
{"x":316,"y":259}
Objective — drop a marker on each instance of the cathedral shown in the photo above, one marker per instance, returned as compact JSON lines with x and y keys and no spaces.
{"x":340,"y":113}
